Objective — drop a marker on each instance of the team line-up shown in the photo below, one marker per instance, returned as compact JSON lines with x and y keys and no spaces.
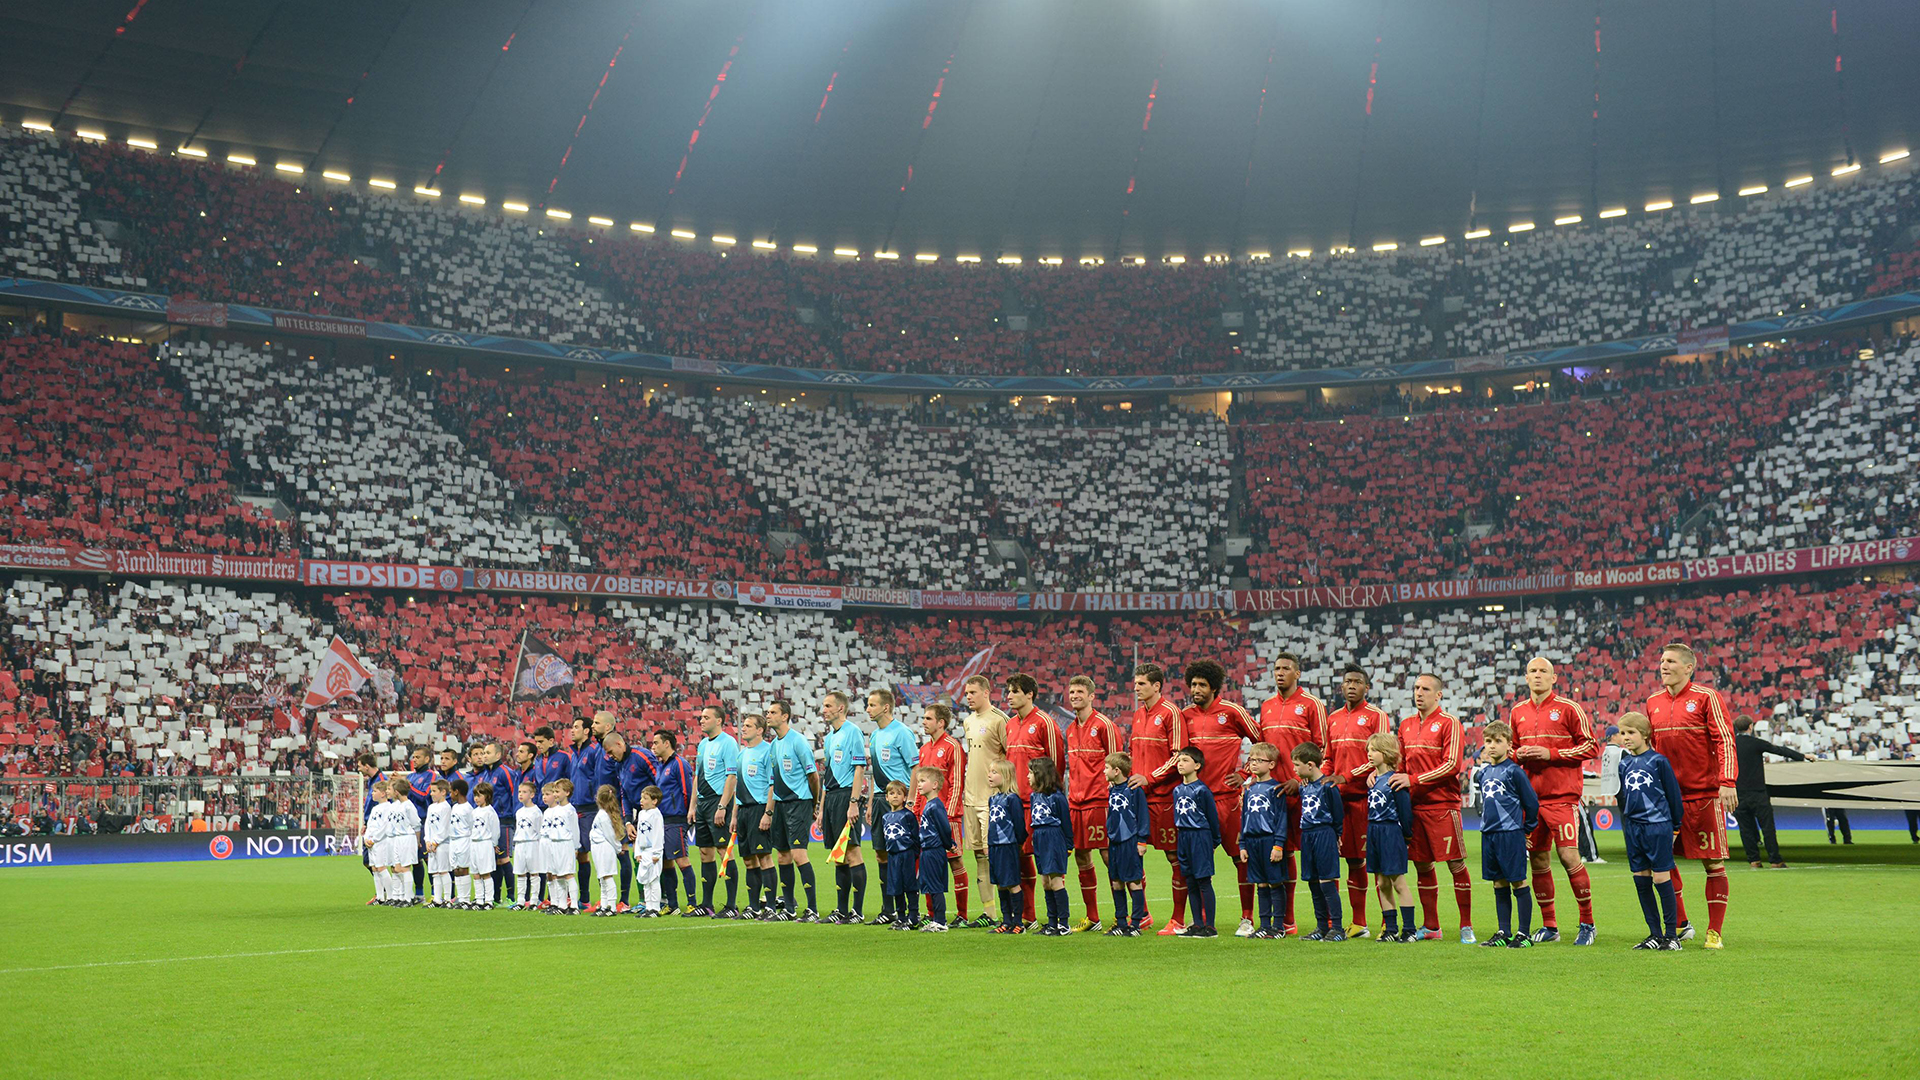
{"x":1325,"y":787}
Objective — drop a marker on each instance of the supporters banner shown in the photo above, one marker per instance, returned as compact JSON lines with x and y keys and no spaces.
{"x":1704,"y":340}
{"x":359,"y":575}
{"x":1859,"y":554}
{"x":866,"y":596}
{"x":196,"y":313}
{"x":539,"y":670}
{"x":169,"y":847}
{"x":587,"y":584}
{"x":1196,"y":600}
{"x":789,"y":597}
{"x":59,"y":555}
{"x":944,"y":600}
{"x":325,"y":325}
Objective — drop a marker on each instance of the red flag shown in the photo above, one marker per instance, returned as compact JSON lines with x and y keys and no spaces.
{"x":341,"y":675}
{"x":972,"y":667}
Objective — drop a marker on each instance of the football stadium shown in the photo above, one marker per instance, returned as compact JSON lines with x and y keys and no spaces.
{"x":706,"y":520}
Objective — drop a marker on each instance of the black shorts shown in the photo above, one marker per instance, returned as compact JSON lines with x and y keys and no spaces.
{"x":835,"y":803}
{"x":753,"y":839}
{"x":676,"y":842}
{"x":793,"y":824}
{"x":705,"y":833}
{"x":874,"y":813}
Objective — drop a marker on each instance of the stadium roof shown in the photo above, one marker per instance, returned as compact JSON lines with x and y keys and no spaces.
{"x":1041,"y":121}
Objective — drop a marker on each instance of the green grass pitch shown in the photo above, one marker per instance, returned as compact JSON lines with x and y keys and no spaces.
{"x":274,"y":968}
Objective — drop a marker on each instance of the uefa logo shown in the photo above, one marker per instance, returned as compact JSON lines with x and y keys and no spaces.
{"x":220,"y":847}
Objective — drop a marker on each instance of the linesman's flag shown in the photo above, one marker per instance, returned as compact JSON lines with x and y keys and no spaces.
{"x":839,"y":853}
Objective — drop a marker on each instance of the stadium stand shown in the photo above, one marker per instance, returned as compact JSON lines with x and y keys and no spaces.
{"x":100,"y":450}
{"x":41,"y":231}
{"x":1335,"y":310}
{"x":363,"y":463}
{"x":642,"y":492}
{"x":710,"y":305}
{"x":1848,"y":468}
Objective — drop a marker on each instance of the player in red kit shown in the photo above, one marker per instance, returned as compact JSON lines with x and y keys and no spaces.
{"x":1691,"y":730}
{"x":1090,"y":738}
{"x":1288,"y":718}
{"x":942,"y":751}
{"x":1431,"y":765}
{"x":1158,"y":735}
{"x":1030,"y":734}
{"x":1216,"y":726}
{"x":1348,"y":730}
{"x":1551,"y":737}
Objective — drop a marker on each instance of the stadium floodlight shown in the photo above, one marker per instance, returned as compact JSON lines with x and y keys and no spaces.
{"x":241,"y":159}
{"x":1430,"y":241}
{"x":1890,"y":158}
{"x":514,"y":207}
{"x":426,"y":192}
{"x":336,"y":176}
{"x":1008,"y":260}
{"x":1053,"y":260}
{"x":1300,"y":253}
{"x":1757,"y":189}
{"x":806,"y":249}
{"x":927,"y":256}
{"x":886,"y":254}
{"x":144,"y":144}
{"x":682,"y":234}
{"x":966,"y":258}
{"x":1520,"y":226}
{"x":640,"y":227}
{"x":1567,"y":219}
{"x":1386,"y":245}
{"x":1479,"y":234}
{"x":1618,"y":211}
{"x":1662,"y":204}
{"x":191,"y":151}
{"x":847,"y":253}
{"x":36,"y":125}
{"x":723,"y":241}
{"x":1259,"y":256}
{"x":1139,"y":260}
{"x":603,"y":222}
{"x":1845,"y":169}
{"x":559,"y":215}
{"x":289,"y":167}
{"x":90,"y":135}
{"x":765,"y":245}
{"x":1176,"y":260}
{"x":1799,"y":180}
{"x":384,"y":185}
{"x":473,"y":200}
{"x":1707,"y":197}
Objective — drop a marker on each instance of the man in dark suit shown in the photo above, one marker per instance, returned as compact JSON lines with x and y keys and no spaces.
{"x":1754,"y":811}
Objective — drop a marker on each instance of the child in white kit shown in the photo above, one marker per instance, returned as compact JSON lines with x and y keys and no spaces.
{"x":559,"y":840}
{"x":482,"y":850}
{"x":439,"y":829}
{"x":406,"y":843}
{"x":526,"y":849}
{"x":604,"y":845}
{"x":457,"y":841}
{"x":649,"y":844}
{"x":375,"y":834}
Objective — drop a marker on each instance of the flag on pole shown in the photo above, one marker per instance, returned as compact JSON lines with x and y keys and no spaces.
{"x":733,"y":852}
{"x":972,"y":667}
{"x":539,"y":671}
{"x":839,"y":853}
{"x":341,"y":675}
{"x":339,"y":725}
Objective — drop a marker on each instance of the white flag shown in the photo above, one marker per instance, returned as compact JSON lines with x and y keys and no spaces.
{"x":341,"y":674}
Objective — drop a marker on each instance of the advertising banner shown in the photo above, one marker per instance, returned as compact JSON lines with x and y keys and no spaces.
{"x":789,"y":597}
{"x":359,"y":575}
{"x":319,"y":324}
{"x":60,"y":555}
{"x":196,"y":313}
{"x":25,"y":851}
{"x":1706,"y":339}
{"x":590,"y":584}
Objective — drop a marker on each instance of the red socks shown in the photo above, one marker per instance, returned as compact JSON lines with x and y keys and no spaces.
{"x":1582,"y":893}
{"x":1543,"y":896}
{"x":1246,"y":891}
{"x":1679,"y":898}
{"x":1090,"y":893}
{"x":1357,"y":890}
{"x":1429,"y":887}
{"x":1463,"y":894}
{"x":1716,"y":899}
{"x":959,"y":885}
{"x":1028,"y":872}
{"x":1179,"y":891}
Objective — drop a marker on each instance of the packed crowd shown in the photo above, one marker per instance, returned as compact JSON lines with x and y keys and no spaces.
{"x":236,"y":234}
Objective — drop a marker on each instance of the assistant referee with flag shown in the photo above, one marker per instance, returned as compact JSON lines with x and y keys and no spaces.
{"x":845,"y":749}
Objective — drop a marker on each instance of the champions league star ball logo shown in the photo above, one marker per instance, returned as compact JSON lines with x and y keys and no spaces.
{"x":1043,"y":814}
{"x":1310,"y":806}
{"x":1376,"y":799}
{"x":1258,"y":804}
{"x":997,"y":812}
{"x":1638,"y":780}
{"x":1116,"y":800}
{"x":1494,"y":789}
{"x":896,"y":831}
{"x":1187,"y":806}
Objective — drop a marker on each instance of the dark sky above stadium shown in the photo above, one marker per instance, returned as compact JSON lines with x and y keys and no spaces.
{"x":1039,"y":127}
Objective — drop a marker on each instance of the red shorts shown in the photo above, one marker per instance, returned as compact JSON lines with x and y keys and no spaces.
{"x":1088,"y":828}
{"x":1160,"y":831}
{"x":1353,"y":828}
{"x":1559,"y":827}
{"x":1228,"y":807}
{"x":1293,"y":822}
{"x":1437,"y":836}
{"x":1703,"y":829}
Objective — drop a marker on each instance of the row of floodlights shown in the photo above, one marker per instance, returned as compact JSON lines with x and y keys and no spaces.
{"x":720,"y":240}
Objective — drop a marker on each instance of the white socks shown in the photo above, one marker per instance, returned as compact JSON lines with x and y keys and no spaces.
{"x":442,"y":887}
{"x":523,"y":887}
{"x":609,"y":892}
{"x":486,"y":890}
